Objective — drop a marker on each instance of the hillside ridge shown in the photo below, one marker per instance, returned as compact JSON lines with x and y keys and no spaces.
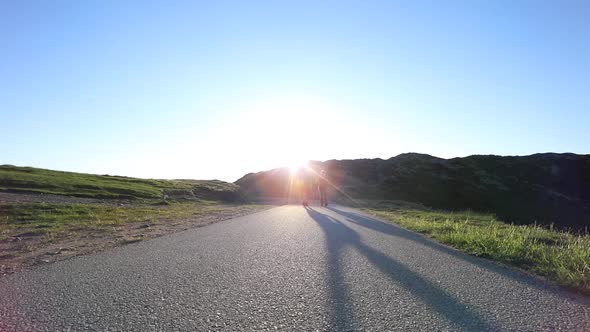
{"x":545,"y":188}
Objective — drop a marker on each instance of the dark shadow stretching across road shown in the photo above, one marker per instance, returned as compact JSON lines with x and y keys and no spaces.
{"x":397,"y":231}
{"x":339,"y":236}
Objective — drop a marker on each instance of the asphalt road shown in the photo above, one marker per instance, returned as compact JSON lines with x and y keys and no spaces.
{"x":288,"y":268}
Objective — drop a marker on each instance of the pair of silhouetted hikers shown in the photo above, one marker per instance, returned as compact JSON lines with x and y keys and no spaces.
{"x":322,"y":185}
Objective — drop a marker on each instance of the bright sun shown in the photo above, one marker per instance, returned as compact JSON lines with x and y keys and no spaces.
{"x":296,"y":166}
{"x":296,"y":128}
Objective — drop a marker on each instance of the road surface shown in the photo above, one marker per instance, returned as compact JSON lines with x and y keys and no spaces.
{"x":287,"y":268}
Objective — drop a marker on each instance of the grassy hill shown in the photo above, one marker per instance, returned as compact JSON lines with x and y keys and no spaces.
{"x":42,"y":181}
{"x":542,"y":188}
{"x":48,"y":215}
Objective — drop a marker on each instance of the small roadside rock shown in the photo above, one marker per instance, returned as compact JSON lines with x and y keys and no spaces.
{"x":54,"y":252}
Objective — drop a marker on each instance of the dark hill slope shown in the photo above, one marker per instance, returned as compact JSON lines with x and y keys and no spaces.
{"x":544,"y":188}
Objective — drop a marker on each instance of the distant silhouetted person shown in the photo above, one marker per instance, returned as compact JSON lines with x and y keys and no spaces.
{"x":322,"y":186}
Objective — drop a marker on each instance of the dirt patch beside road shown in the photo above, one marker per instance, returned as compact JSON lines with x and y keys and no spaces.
{"x":27,"y":240}
{"x":6,"y":197}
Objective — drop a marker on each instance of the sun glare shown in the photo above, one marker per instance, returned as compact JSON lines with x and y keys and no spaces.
{"x":295,"y":127}
{"x":296,"y":166}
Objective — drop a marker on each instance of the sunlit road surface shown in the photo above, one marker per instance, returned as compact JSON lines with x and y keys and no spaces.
{"x":288,"y":268}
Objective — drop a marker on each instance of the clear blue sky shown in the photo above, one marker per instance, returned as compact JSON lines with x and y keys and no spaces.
{"x":217,"y":89}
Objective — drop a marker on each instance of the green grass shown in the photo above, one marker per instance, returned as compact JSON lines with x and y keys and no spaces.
{"x":42,"y":218}
{"x":557,"y":255}
{"x":35,"y":180}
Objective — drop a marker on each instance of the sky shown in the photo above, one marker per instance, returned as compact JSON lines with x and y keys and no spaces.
{"x":218,"y":89}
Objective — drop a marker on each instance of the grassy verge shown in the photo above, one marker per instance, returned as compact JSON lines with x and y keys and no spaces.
{"x":43,"y":218}
{"x":39,"y":233}
{"x":48,"y":215}
{"x":559,"y":256}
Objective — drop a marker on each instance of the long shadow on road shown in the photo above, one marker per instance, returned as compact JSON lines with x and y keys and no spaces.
{"x":339,"y":236}
{"x":397,"y":231}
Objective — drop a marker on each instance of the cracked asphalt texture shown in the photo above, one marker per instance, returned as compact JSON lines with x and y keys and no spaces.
{"x":287,"y":268}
